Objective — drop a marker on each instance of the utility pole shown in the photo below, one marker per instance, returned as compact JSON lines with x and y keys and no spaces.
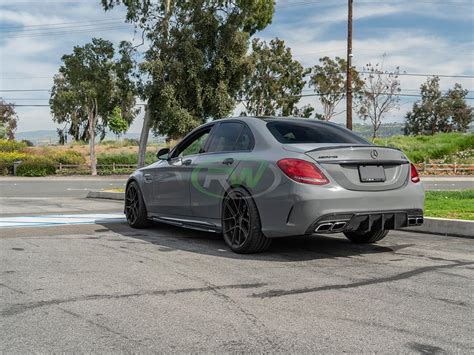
{"x":349,"y":69}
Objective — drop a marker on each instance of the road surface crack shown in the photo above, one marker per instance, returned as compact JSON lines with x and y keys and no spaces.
{"x":23,"y":307}
{"x":396,"y":277}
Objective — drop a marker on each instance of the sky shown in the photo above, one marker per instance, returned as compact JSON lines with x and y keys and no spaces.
{"x":418,"y":36}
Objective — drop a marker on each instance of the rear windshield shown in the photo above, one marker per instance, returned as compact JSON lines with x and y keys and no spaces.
{"x":311,"y":132}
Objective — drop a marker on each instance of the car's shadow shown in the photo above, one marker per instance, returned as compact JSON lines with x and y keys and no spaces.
{"x":168,"y":238}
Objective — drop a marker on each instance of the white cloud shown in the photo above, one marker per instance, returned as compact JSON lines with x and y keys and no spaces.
{"x":362,"y":11}
{"x":337,"y":12}
{"x":24,"y":18}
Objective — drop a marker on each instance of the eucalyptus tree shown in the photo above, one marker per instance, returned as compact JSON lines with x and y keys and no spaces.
{"x":196,"y":59}
{"x":117,"y":124}
{"x":276,"y":81}
{"x":437,"y":112}
{"x":379,"y":95}
{"x":91,"y":82}
{"x":461,"y":113}
{"x":329,"y":81}
{"x":8,"y":119}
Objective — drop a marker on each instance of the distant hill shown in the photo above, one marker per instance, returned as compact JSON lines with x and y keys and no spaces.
{"x":45,"y":137}
{"x":42,"y":137}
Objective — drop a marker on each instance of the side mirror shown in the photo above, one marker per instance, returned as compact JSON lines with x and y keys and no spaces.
{"x":163,"y":154}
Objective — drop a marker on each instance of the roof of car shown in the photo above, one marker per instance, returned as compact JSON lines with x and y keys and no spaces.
{"x":283,"y":119}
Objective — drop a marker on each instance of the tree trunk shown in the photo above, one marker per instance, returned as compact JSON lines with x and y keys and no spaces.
{"x":144,"y":138}
{"x":92,"y":144}
{"x":146,"y":119}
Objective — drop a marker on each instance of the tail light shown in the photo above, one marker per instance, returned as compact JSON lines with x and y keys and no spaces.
{"x":302,"y":171}
{"x":414,"y":174}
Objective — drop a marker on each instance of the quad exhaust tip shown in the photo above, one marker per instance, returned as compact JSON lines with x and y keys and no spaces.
{"x":415,"y":220}
{"x":331,"y":227}
{"x":324,"y":227}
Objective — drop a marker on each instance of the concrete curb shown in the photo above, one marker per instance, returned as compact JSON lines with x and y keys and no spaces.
{"x":443,"y":226}
{"x":447,"y":227}
{"x":119,"y":196}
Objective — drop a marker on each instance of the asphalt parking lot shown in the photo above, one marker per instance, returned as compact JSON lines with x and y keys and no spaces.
{"x":105,"y":287}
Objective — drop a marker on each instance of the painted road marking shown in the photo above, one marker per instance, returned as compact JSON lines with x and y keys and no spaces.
{"x":56,"y":220}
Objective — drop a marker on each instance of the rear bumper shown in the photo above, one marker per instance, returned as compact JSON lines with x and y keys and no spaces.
{"x":365,"y":221}
{"x":295,"y":209}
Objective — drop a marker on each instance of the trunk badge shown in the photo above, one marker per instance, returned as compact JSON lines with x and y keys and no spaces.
{"x":374,"y":154}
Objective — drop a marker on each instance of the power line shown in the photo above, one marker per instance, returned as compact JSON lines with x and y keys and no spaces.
{"x":68,"y":32}
{"x":341,"y":3}
{"x":25,"y":99}
{"x":42,"y":105}
{"x":67,"y":27}
{"x":300,"y":96}
{"x":2,"y":105}
{"x":46,"y":31}
{"x":25,"y":90}
{"x":419,"y":74}
{"x":42,"y":26}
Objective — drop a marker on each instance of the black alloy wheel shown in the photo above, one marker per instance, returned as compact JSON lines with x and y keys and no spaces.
{"x":241,"y":223}
{"x":236,"y":220}
{"x":135,"y":209}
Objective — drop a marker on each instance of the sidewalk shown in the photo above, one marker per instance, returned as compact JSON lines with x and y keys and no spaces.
{"x":64,"y":178}
{"x":447,"y":178}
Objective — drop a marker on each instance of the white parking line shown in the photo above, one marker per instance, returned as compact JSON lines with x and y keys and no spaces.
{"x":55,"y":220}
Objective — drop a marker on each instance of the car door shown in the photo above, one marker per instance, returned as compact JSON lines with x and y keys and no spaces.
{"x":229,"y":143}
{"x":171,"y":179}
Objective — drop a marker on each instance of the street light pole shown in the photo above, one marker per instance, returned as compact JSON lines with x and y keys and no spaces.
{"x":349,"y":69}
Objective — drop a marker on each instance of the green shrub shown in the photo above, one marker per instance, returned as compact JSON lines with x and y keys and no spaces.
{"x":124,"y":158}
{"x":150,"y":158}
{"x":68,"y":157}
{"x":126,"y":142}
{"x":11,"y":145}
{"x":130,"y":142}
{"x":120,"y":158}
{"x":7,"y":159}
{"x":117,"y":171}
{"x":425,"y":148}
{"x":36,"y":166}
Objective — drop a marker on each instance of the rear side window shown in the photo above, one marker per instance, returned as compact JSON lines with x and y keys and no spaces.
{"x":311,"y":132}
{"x":231,"y":136}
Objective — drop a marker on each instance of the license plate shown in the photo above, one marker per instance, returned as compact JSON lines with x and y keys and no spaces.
{"x":371,"y":173}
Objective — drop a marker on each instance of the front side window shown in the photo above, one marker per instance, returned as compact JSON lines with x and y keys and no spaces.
{"x":311,"y":132}
{"x":231,"y":136}
{"x":195,"y":145}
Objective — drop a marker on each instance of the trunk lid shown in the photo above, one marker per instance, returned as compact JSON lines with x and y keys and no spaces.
{"x":360,"y":167}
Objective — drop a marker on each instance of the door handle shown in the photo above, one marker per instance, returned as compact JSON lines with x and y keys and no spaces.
{"x":187,"y":162}
{"x":228,"y":161}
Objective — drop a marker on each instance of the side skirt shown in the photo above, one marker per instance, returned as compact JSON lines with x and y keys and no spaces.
{"x":187,"y":223}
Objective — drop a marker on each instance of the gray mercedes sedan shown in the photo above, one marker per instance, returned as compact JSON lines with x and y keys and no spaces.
{"x":257,"y":178}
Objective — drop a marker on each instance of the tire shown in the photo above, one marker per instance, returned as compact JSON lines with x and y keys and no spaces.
{"x":135,"y":209}
{"x":372,"y":236}
{"x":241,"y":226}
